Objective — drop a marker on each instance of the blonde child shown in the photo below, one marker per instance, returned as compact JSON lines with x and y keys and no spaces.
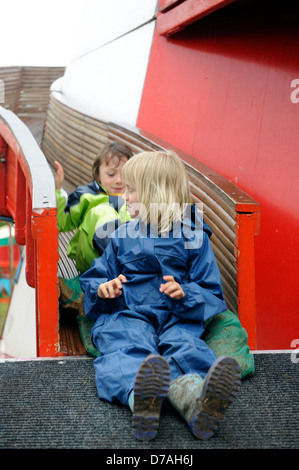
{"x":150,"y":295}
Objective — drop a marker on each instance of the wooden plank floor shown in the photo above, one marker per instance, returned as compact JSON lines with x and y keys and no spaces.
{"x":70,"y":341}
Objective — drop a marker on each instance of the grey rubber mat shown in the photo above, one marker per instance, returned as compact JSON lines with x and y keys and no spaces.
{"x":53,"y":404}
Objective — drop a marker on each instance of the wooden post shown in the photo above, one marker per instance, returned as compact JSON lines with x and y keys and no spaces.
{"x":45,"y":234}
{"x":247,"y":226}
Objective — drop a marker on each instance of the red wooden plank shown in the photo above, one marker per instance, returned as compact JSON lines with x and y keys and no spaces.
{"x":3,"y":153}
{"x":20,"y":218}
{"x":11,"y":166}
{"x":45,"y":235}
{"x":245,"y":231}
{"x":186,"y":13}
{"x":165,"y":5}
{"x":30,"y":248}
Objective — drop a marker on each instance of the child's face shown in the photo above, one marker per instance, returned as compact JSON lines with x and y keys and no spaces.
{"x":130,"y":197}
{"x":110,"y":175}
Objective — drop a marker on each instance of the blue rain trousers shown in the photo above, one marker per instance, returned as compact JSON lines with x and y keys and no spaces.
{"x":142,"y":320}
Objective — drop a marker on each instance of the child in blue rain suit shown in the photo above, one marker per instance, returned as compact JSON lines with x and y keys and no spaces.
{"x":150,"y":294}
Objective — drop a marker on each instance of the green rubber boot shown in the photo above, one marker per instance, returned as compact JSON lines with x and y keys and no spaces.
{"x":225,"y":335}
{"x":202,"y":403}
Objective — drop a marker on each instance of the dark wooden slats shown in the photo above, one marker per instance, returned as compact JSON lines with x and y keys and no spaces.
{"x":73,"y":139}
{"x":27,"y":89}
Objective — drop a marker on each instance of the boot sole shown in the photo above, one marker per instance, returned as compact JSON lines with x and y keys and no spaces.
{"x":220,"y":388}
{"x":150,"y":389}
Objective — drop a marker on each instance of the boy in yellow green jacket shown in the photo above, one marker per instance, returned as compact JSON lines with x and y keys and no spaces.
{"x":95,"y":209}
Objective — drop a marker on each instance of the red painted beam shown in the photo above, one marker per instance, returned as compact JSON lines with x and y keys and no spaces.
{"x":3,"y":154}
{"x":30,"y":245}
{"x":20,"y":218}
{"x":166,"y":5}
{"x":247,"y":226}
{"x":185,"y":13}
{"x":45,"y":235}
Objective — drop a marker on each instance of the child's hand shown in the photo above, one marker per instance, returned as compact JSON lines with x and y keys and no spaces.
{"x":59,"y":176}
{"x":111,"y":289}
{"x":172,"y":288}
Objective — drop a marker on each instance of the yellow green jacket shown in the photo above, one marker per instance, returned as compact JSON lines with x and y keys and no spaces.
{"x":96,"y":215}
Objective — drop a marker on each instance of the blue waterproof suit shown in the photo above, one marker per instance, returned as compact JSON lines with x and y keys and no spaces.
{"x":142,"y":320}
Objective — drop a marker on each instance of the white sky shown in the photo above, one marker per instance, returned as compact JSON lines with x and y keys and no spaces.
{"x":38,"y":32}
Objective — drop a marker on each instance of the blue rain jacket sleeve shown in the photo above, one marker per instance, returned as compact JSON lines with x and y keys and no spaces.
{"x":203,"y":293}
{"x":103,"y":269}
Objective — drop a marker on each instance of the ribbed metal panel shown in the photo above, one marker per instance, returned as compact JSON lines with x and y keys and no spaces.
{"x":66,"y":266}
{"x":74,"y":140}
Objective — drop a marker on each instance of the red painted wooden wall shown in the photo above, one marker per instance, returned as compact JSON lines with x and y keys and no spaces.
{"x":221,"y":90}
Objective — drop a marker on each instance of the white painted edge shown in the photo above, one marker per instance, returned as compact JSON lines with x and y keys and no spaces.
{"x":44,"y":195}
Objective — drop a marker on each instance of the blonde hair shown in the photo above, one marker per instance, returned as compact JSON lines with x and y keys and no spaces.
{"x":162,"y":187}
